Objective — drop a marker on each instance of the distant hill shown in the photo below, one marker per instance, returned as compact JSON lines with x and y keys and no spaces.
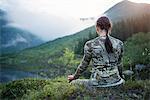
{"x":127,"y":9}
{"x":13,"y":39}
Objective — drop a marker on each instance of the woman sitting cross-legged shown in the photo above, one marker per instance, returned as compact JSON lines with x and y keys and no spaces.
{"x":106,"y":53}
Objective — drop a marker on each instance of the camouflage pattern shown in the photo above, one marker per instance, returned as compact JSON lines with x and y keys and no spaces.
{"x":107,"y":68}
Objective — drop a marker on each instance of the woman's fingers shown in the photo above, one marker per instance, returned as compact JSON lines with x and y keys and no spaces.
{"x":70,"y":77}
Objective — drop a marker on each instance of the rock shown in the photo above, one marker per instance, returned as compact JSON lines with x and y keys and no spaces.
{"x":139,"y":67}
{"x":128,"y":72}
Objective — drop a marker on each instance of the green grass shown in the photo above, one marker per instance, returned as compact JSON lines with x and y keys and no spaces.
{"x":59,"y":88}
{"x":38,"y":89}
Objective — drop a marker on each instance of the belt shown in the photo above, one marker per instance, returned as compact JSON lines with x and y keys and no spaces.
{"x":102,"y":67}
{"x":106,"y":69}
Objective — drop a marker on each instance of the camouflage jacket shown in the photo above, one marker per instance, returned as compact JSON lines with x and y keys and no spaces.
{"x":107,"y":68}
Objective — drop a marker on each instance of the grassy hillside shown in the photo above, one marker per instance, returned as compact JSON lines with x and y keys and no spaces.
{"x":59,"y":88}
{"x":38,"y":56}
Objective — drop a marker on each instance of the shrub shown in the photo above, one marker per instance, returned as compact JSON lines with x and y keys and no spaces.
{"x":137,"y":49}
{"x":34,"y":89}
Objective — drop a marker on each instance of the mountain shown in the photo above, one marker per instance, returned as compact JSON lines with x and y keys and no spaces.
{"x":127,"y":9}
{"x":124,"y":10}
{"x":14,"y":39}
{"x":38,"y":57}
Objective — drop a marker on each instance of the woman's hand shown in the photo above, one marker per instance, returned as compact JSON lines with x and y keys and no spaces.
{"x":71,"y":77}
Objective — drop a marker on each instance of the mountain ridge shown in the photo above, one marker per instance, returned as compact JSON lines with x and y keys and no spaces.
{"x":14,"y":39}
{"x":126,"y":9}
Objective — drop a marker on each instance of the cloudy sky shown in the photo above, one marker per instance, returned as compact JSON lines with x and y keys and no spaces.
{"x":50,"y":19}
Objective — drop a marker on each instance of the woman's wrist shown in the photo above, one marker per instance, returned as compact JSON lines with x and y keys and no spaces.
{"x":76,"y":76}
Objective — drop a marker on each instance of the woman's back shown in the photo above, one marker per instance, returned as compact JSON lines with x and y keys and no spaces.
{"x":105,"y":66}
{"x":106,"y":53}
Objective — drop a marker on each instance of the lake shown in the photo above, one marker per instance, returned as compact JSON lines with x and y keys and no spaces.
{"x":7,"y":75}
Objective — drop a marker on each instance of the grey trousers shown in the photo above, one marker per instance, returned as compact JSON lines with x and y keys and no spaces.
{"x":87,"y":84}
{"x":83,"y":82}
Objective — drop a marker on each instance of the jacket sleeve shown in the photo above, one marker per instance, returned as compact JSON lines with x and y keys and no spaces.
{"x":120,"y":63}
{"x":85,"y":60}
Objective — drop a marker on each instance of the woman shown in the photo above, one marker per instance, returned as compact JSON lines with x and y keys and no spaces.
{"x":106,"y":53}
